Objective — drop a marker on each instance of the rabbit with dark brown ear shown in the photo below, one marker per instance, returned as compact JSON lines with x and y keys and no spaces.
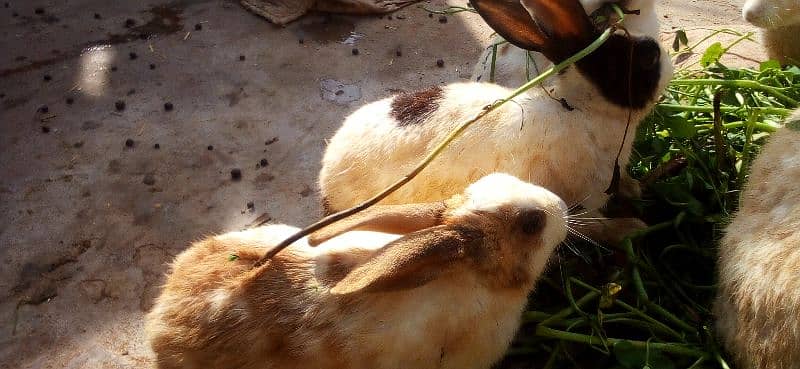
{"x":449,"y":293}
{"x":566,"y":146}
{"x":758,"y":306}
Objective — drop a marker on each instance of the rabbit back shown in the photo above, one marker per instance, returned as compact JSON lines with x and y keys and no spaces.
{"x":758,"y":307}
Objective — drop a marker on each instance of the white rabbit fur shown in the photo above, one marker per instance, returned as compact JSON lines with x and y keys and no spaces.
{"x":458,"y":306}
{"x":758,"y":306}
{"x":780,"y":23}
{"x":532,"y":137}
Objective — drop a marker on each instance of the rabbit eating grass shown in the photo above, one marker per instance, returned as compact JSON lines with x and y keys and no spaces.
{"x":570,"y":150}
{"x":447,"y":293}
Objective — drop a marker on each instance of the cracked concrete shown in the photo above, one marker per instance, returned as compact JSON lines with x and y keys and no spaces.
{"x":102,"y":184}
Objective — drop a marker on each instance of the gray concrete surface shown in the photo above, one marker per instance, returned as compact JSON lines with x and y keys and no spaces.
{"x":87,"y":224}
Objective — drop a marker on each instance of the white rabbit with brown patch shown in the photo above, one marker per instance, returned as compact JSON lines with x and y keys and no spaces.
{"x":758,"y":306}
{"x":568,"y":148}
{"x":448,"y":293}
{"x":780,"y":21}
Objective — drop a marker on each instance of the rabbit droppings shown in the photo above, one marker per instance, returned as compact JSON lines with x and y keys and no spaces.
{"x":447,"y":294}
{"x":780,"y":23}
{"x":569,"y":149}
{"x":758,"y":307}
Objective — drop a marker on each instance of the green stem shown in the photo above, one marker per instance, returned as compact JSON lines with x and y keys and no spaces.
{"x":569,"y":310}
{"x":438,"y":150}
{"x":663,"y":327}
{"x":760,"y":126}
{"x":738,"y":83}
{"x":673,"y":348}
{"x":725,"y":109}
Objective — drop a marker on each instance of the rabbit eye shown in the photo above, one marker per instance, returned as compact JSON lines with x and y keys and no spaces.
{"x":649,"y":55}
{"x":532,"y":221}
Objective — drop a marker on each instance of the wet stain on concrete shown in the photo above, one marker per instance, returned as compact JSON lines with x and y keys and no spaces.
{"x":164,"y":20}
{"x":323,"y":28}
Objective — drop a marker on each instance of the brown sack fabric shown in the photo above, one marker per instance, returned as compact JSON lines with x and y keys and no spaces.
{"x":282,"y":12}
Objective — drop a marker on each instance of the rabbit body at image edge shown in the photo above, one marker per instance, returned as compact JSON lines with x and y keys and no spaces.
{"x":758,"y":305}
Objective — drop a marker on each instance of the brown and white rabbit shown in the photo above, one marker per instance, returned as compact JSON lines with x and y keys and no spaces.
{"x":758,"y":307}
{"x":447,"y":294}
{"x":780,"y":21}
{"x":569,"y":150}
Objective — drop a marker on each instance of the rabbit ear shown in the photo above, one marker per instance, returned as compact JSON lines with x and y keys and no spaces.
{"x":413,"y":260}
{"x":556,"y":28}
{"x":511,"y":21}
{"x":399,"y":219}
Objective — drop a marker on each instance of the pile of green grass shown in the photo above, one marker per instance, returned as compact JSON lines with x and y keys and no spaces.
{"x":647,"y":303}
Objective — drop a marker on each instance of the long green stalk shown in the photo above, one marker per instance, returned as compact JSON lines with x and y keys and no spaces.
{"x":738,"y":83}
{"x":673,"y":348}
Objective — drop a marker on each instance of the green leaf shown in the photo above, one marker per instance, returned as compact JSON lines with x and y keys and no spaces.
{"x":712,"y":54}
{"x":610,"y":290}
{"x":233,"y":257}
{"x":769,"y":64}
{"x":794,"y":70}
{"x":678,"y":126}
{"x":680,"y":39}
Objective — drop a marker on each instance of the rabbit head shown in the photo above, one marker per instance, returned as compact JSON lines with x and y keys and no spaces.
{"x":772,"y":13}
{"x":629,"y":69}
{"x":500,"y":226}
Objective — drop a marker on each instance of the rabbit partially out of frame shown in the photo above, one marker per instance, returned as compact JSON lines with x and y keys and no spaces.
{"x":780,"y":23}
{"x":449,"y":293}
{"x":758,"y":306}
{"x":565,"y":139}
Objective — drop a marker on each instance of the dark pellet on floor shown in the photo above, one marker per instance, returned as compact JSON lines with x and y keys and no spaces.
{"x":96,"y":16}
{"x":198,"y":27}
{"x":131,"y":91}
{"x":143,"y":36}
{"x":130,"y":23}
{"x":78,"y":144}
{"x":301,"y":41}
{"x":45,"y":129}
{"x":440,"y":63}
{"x":133,"y":56}
{"x":263,"y":163}
{"x":113,"y":68}
{"x":398,"y":52}
{"x":168,"y":106}
{"x":129,"y":142}
{"x":271,"y":141}
{"x":241,"y":57}
{"x":156,"y":146}
{"x":39,"y":10}
{"x":48,"y":77}
{"x":149,"y":179}
{"x":442,"y":19}
{"x":251,"y":205}
{"x":236,"y":174}
{"x":5,"y":5}
{"x":389,"y":17}
{"x":430,"y":15}
{"x":15,"y":14}
{"x":70,"y":101}
{"x":152,"y":66}
{"x":119,"y":105}
{"x":2,"y":96}
{"x":44,"y":109}
{"x":355,"y":51}
{"x":210,"y":147}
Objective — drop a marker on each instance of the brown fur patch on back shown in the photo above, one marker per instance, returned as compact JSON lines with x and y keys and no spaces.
{"x":413,"y":107}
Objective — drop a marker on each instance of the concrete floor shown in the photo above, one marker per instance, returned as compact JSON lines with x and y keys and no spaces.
{"x":87,"y":223}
